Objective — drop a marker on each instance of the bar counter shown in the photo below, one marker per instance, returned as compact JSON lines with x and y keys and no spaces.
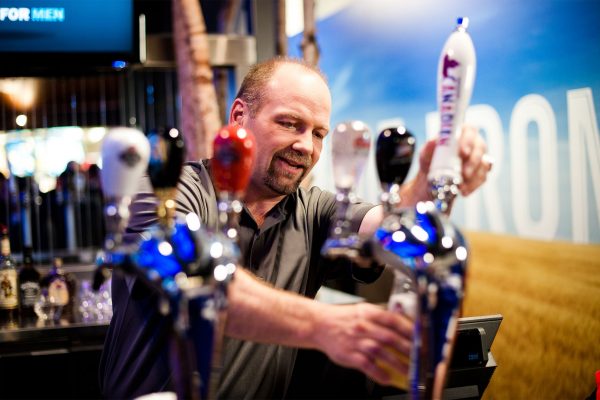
{"x":54,"y":338}
{"x":51,"y":361}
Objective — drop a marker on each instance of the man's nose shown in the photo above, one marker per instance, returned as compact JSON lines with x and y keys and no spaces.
{"x":304,"y":143}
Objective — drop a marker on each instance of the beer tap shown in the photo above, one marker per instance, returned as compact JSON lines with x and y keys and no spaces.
{"x":234,"y":150}
{"x":194,"y":265}
{"x":429,"y":257}
{"x":188,"y":266}
{"x":169,"y":249}
{"x":429,"y":254}
{"x":394,"y":152}
{"x":167,"y":152}
{"x":350,"y":144}
{"x":125,"y":154}
{"x":455,"y":80}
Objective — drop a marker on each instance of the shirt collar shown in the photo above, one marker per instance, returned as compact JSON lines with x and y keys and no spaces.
{"x":276,"y":215}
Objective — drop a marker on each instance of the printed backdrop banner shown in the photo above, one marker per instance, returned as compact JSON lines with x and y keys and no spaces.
{"x":536,"y":100}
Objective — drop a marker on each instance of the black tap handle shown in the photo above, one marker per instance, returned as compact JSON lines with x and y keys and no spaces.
{"x":393,"y":154}
{"x":167,"y":154}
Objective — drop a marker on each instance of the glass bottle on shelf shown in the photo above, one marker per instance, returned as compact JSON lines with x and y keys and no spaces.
{"x":9,"y":298}
{"x":60,"y":288}
{"x":29,"y":286}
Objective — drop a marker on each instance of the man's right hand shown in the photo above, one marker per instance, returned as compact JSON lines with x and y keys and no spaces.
{"x":362,"y":336}
{"x":368,"y":338}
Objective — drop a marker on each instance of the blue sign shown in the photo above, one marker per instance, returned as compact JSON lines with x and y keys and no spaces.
{"x":536,"y":100}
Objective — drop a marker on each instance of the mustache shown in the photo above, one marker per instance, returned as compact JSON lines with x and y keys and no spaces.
{"x":293,"y":156}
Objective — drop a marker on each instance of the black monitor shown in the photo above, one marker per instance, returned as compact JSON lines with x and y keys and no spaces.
{"x":472,"y":364}
{"x":37,"y":35}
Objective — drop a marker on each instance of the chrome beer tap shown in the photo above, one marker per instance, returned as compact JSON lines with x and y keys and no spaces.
{"x":428,"y":253}
{"x":125,"y":154}
{"x":197,"y":265}
{"x":233,"y":150}
{"x":173,"y":257}
{"x":350,"y":144}
{"x":188,"y":266}
{"x":233,"y":155}
{"x":429,"y":257}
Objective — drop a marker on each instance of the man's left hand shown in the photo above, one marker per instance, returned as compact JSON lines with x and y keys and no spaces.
{"x":472,"y":151}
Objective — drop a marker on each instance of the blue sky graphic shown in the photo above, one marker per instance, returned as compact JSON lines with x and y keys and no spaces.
{"x":381,"y":58}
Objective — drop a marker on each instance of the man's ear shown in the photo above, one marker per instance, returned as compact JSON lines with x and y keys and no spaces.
{"x":238,"y":113}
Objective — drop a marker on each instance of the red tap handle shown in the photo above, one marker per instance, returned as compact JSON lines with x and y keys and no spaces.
{"x":233,"y":151}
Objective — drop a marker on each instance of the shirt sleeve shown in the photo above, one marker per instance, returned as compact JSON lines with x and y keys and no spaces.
{"x":195,"y":194}
{"x":142,"y":211}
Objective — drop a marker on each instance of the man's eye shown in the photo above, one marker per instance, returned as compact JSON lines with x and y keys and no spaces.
{"x":287,"y":124}
{"x":318,"y":135}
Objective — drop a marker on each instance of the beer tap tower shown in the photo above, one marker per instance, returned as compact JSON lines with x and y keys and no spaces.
{"x":427,"y":252}
{"x":189,"y":267}
{"x":428,"y":255}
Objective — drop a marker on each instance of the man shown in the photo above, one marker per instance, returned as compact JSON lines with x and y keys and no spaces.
{"x":287,"y":105}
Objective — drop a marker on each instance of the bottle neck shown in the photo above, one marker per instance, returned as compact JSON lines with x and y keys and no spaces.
{"x":28,"y":258}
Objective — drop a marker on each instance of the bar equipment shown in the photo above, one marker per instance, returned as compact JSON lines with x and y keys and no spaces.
{"x":169,"y":258}
{"x":189,"y":266}
{"x":428,"y":255}
{"x":350,"y":145}
{"x":231,"y":166}
{"x":125,"y":154}
{"x":233,"y":151}
{"x":394,"y":153}
{"x":196,"y":266}
{"x":456,"y":76}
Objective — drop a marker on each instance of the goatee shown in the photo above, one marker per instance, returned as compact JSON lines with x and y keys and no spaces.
{"x":281,"y":182}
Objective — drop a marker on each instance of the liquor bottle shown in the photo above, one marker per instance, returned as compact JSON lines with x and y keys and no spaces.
{"x":60,"y":289}
{"x":9,"y":298}
{"x":29,"y":286}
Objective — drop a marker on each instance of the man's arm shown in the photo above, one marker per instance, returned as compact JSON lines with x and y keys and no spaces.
{"x":353,"y":336}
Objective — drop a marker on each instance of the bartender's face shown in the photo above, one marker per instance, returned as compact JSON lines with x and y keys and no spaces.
{"x":289,"y":127}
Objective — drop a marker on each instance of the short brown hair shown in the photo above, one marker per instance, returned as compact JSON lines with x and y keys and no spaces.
{"x":252,"y":90}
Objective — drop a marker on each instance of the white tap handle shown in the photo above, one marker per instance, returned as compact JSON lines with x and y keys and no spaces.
{"x":350,"y":144}
{"x":125,"y":155}
{"x":456,"y":76}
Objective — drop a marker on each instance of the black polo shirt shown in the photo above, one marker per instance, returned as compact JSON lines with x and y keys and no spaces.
{"x":284,"y":251}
